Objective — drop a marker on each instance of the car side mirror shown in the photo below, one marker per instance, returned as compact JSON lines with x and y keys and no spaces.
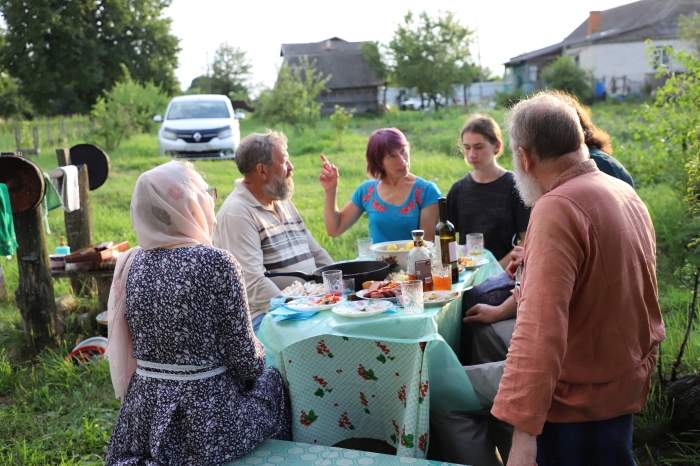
{"x":158,"y":119}
{"x":240,"y":116}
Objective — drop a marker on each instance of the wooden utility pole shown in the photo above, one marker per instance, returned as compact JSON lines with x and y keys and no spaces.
{"x":79,"y":233}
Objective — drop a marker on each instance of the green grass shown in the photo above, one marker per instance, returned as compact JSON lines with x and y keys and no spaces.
{"x":52,"y":412}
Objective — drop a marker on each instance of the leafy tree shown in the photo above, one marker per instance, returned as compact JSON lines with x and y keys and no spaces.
{"x":340,"y":119}
{"x":466,"y":75}
{"x":200,"y":85}
{"x":231,"y":72}
{"x":294,"y":98}
{"x":12,"y":103}
{"x":64,"y":54}
{"x":125,"y":110}
{"x":564,"y":74}
{"x":665,"y":129}
{"x":430,"y":54}
{"x":375,"y":54}
{"x":689,"y":29}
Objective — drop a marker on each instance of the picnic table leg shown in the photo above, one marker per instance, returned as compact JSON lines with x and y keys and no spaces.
{"x":103,"y":286}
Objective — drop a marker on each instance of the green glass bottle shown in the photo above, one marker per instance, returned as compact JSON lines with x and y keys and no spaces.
{"x":445,"y":241}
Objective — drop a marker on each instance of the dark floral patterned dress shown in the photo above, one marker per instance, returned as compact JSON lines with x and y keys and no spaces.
{"x":188,"y":306}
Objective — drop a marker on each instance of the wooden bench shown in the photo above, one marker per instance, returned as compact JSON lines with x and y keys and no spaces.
{"x":281,"y":452}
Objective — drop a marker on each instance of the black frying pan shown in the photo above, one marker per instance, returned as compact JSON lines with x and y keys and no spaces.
{"x":361,"y":271}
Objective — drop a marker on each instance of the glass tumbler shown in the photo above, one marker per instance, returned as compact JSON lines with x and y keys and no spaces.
{"x":475,"y":244}
{"x":363,"y":251}
{"x":412,"y":292}
{"x":348,"y":285}
{"x":333,"y":282}
{"x":442,"y":277}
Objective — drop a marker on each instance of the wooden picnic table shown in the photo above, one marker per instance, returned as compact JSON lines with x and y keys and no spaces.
{"x":103,"y":278}
{"x":373,"y":377}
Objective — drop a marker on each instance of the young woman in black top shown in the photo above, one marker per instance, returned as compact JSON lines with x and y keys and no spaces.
{"x":485,"y":200}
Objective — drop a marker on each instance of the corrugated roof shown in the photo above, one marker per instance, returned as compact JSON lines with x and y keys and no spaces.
{"x":626,"y":18}
{"x":344,"y":61}
{"x":621,"y":20}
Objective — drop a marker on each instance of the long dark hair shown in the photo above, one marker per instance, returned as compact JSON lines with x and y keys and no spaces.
{"x":594,"y":136}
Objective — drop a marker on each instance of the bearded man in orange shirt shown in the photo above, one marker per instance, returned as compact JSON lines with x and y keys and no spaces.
{"x":588,"y":321}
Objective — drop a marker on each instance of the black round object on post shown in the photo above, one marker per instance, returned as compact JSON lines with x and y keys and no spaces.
{"x":97,"y":161}
{"x":24,"y":180}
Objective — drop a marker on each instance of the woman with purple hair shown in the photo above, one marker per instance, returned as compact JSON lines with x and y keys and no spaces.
{"x":396,"y":201}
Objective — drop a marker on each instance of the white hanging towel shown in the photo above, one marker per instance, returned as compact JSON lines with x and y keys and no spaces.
{"x":67,"y":186}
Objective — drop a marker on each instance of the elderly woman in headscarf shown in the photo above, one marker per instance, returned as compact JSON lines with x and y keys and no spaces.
{"x":182,"y":352}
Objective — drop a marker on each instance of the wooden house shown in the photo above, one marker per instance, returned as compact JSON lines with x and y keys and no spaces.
{"x":353,"y":84}
{"x":612,"y":45}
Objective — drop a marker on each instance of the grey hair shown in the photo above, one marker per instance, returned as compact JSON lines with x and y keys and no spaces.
{"x":257,"y":148}
{"x":544,"y":125}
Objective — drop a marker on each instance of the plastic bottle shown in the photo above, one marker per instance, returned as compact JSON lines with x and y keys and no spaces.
{"x":62,"y":248}
{"x":419,"y":262}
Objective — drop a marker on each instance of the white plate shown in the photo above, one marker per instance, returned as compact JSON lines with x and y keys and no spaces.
{"x":302,"y":296}
{"x":478,"y":262}
{"x":361,"y":294}
{"x":303,"y":290}
{"x":307,"y":305}
{"x":362,"y":308}
{"x":439,"y":297}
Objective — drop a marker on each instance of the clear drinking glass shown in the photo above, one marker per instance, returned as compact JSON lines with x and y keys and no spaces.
{"x":442,"y":277}
{"x":475,"y":244}
{"x":363,"y":251}
{"x":348,"y":286}
{"x":333,"y":282}
{"x":412,"y":292}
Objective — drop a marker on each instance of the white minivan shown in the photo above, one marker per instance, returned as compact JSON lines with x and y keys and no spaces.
{"x":202,"y":127}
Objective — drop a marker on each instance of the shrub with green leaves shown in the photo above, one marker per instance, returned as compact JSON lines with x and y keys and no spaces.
{"x":126,"y":109}
{"x":509,"y":99}
{"x":666,"y":129}
{"x":340,"y":119}
{"x":564,"y":74}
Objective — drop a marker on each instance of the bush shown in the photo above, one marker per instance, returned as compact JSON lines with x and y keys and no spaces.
{"x":665,"y":130}
{"x":340,"y":119}
{"x":564,"y":74}
{"x":127,"y":109}
{"x":508,"y":100}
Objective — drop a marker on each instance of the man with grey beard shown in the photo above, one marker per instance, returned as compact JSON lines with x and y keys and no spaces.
{"x":261,"y":227}
{"x":588,"y":320}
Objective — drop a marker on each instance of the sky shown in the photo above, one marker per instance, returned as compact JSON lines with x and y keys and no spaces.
{"x":505,"y":28}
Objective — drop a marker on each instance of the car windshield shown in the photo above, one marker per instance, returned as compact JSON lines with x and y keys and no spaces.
{"x":198,"y":109}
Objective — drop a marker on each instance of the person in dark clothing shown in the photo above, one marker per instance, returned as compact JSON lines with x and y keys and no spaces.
{"x":485,"y":200}
{"x":597,"y":140}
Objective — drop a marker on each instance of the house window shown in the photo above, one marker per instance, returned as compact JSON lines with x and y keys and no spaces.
{"x":532,"y":73}
{"x":509,"y":78}
{"x":662,"y":56}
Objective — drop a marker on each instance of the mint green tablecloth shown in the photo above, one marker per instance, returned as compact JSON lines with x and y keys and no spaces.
{"x":280,"y":452}
{"x":374,"y":377}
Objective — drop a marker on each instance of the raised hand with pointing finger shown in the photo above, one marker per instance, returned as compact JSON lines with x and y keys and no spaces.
{"x":396,"y":200}
{"x":329,"y":175}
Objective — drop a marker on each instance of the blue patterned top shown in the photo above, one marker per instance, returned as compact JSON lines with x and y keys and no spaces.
{"x":388,"y":222}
